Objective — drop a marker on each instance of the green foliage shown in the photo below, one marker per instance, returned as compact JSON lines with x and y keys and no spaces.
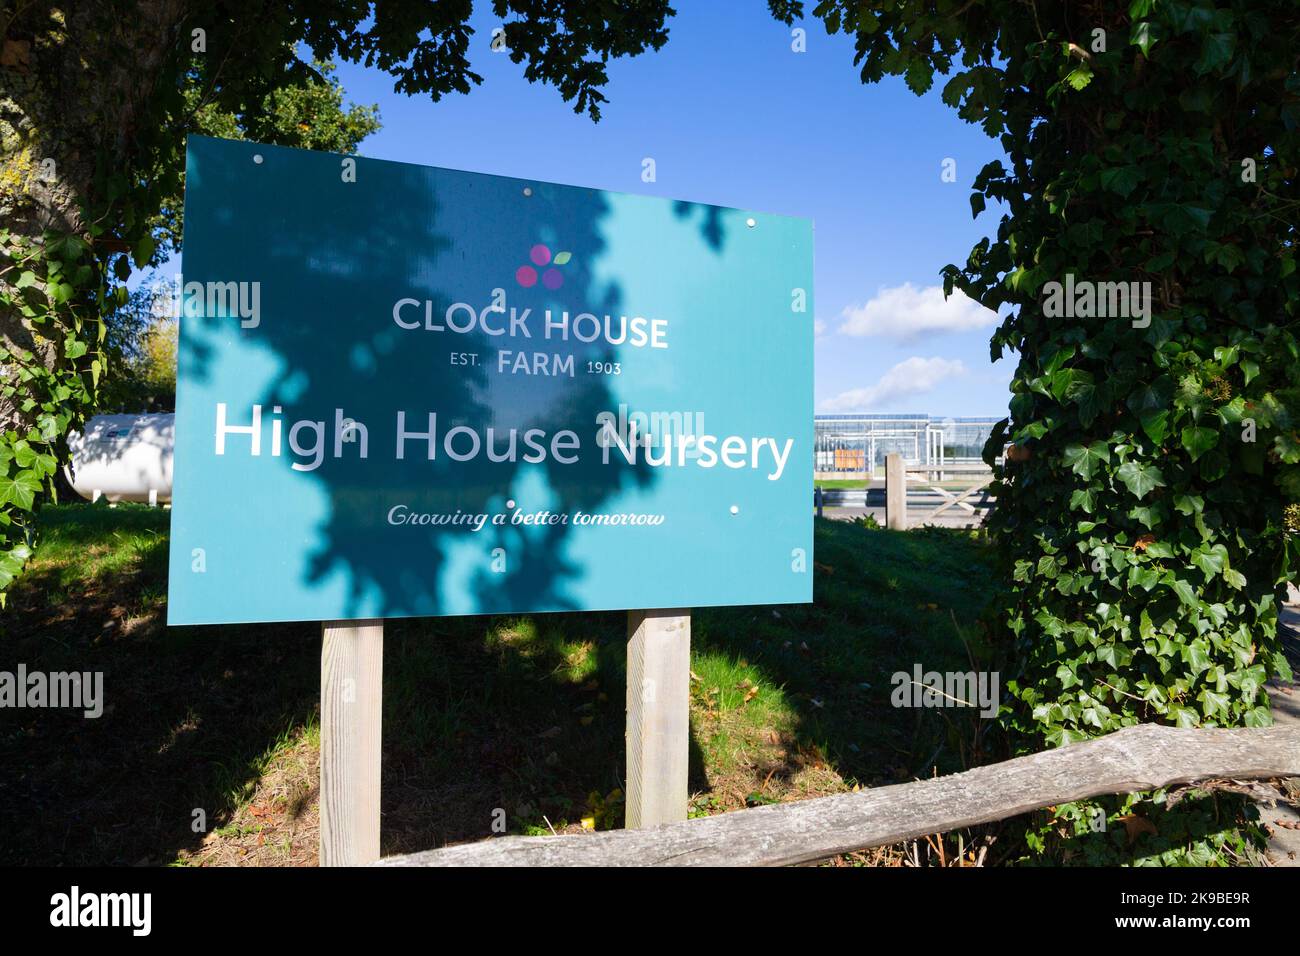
{"x":1208,"y":829}
{"x":307,"y":115}
{"x":48,"y":379}
{"x":604,"y":812}
{"x":90,"y":343}
{"x":1143,"y":539}
{"x":140,"y":345}
{"x":230,"y":69}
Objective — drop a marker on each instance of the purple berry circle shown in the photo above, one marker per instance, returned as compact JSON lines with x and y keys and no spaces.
{"x":552,"y":279}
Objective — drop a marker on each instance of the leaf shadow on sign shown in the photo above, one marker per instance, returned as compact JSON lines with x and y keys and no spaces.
{"x":346,"y":366}
{"x":711,"y":228}
{"x":338,"y":327}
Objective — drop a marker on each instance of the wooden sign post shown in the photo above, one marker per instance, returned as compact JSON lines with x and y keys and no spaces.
{"x":658,"y":716}
{"x":895,"y":493}
{"x":352,"y":668}
{"x":351,"y":712}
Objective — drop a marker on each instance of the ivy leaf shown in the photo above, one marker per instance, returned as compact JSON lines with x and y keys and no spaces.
{"x":1197,"y":655}
{"x":1186,"y":595}
{"x":1214,"y":702}
{"x":1210,"y":561}
{"x":1140,"y":479}
{"x":19,"y":490}
{"x":1084,"y":459}
{"x":1199,"y":440}
{"x":1120,"y":179}
{"x":1143,"y":37}
{"x":1059,"y":736}
{"x":73,"y":247}
{"x":1069,"y":384}
{"x":1258,"y":717}
{"x":1151,"y":405}
{"x":1156,"y":425}
{"x":1214,"y":465}
{"x":1180,"y":218}
{"x":1148,"y":516}
{"x":1249,"y":681}
{"x":1227,"y":255}
{"x":1144,"y":578}
{"x":1215,"y":52}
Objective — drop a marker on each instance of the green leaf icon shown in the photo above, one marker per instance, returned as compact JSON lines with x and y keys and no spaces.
{"x":562,"y":257}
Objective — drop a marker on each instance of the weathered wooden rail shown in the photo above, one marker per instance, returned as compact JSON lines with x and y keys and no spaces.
{"x":1136,"y":758}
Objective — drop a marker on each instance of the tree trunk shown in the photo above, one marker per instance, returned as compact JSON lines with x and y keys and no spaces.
{"x":76,"y":81}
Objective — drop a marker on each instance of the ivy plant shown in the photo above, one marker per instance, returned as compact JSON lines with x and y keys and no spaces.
{"x":1142,"y":527}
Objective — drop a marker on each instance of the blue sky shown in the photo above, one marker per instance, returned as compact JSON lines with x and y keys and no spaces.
{"x":733,"y":116}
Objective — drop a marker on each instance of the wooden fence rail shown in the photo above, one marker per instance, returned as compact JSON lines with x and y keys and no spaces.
{"x":908,"y":486}
{"x":982,"y":478}
{"x":1136,"y":758}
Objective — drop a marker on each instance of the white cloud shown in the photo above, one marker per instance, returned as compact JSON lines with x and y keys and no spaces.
{"x":915,"y":376}
{"x":819,"y":328}
{"x":905,"y":312}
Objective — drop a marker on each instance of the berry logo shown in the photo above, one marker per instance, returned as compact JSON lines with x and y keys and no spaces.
{"x":552,"y":278}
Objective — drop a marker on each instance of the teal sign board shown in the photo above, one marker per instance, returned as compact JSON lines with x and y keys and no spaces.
{"x":410,"y":391}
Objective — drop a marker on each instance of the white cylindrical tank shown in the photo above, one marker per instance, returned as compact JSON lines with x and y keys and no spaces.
{"x":124,"y":458}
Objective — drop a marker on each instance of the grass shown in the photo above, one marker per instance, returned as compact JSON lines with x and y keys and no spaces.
{"x":523,"y":714}
{"x":857,"y":484}
{"x":851,"y":484}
